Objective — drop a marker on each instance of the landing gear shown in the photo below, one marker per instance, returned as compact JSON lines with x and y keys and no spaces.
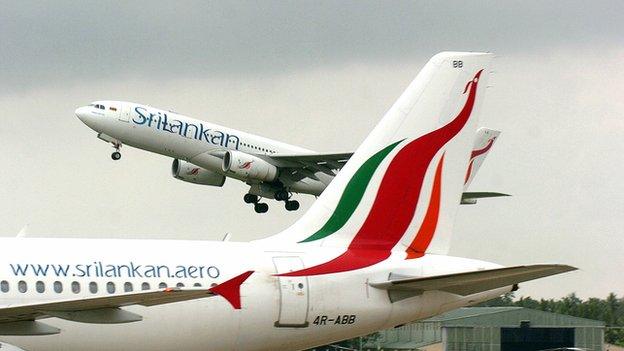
{"x":281,"y":195}
{"x":260,"y":207}
{"x":292,"y":205}
{"x":250,"y":198}
{"x":284,"y":195}
{"x":116,"y":155}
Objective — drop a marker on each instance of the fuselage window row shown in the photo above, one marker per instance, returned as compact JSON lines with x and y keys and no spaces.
{"x":57,"y":286}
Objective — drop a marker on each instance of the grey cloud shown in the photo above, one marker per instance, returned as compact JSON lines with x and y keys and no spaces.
{"x":64,"y":42}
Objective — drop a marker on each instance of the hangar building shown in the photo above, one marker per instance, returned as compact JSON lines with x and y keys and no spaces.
{"x":493,"y":329}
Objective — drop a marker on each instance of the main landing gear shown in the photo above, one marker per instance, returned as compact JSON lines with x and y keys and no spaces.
{"x":283,"y":195}
{"x":116,"y":155}
{"x":259,"y":207}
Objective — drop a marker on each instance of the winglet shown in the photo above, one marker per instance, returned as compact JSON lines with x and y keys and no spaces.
{"x":230,"y":290}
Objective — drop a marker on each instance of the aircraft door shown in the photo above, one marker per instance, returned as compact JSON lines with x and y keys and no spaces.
{"x":124,"y":116}
{"x":294,"y":299}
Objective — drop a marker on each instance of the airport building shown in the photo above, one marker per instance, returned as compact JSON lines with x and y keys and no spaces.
{"x":493,"y":329}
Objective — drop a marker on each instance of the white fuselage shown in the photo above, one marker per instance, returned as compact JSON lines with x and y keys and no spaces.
{"x":181,"y":137}
{"x":278,"y":313}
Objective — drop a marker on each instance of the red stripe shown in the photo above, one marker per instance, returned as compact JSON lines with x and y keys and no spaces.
{"x":397,"y":197}
{"x":468,"y":172}
{"x":425,"y":234}
{"x":476,"y":153}
{"x":348,"y":261}
{"x":487,"y":148}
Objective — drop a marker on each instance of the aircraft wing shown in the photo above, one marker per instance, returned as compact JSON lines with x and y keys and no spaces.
{"x":99,"y":309}
{"x":306,"y":165}
{"x":468,"y":283}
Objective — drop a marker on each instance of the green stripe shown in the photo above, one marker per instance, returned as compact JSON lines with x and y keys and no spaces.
{"x":352,"y":195}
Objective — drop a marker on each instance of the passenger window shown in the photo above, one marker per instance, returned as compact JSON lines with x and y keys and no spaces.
{"x":39,"y":286}
{"x":197,"y":285}
{"x":180,"y":285}
{"x":162,"y":285}
{"x":145,"y":286}
{"x":58,"y":287}
{"x":127,"y":287}
{"x":93,"y":288}
{"x":110,"y":287}
{"x":21,"y":286}
{"x":4,"y":286}
{"x":75,"y":287}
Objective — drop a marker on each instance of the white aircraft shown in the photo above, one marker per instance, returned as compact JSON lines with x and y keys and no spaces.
{"x":371,"y":253}
{"x":206,"y":153}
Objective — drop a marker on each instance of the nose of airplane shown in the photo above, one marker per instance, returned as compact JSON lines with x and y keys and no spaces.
{"x":82,"y":113}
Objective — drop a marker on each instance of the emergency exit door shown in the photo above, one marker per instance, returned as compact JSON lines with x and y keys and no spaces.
{"x":294,"y":298}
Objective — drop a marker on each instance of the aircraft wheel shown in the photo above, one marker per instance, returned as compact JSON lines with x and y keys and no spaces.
{"x":261,"y":207}
{"x":116,"y":155}
{"x":250,"y":198}
{"x":281,"y":195}
{"x":292,"y":205}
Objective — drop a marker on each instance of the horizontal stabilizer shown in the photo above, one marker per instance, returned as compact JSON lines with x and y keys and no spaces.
{"x":470,"y":197}
{"x":468,"y":283}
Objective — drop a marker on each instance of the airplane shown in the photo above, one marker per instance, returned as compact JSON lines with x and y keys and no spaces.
{"x":207,"y":154}
{"x":370,"y":253}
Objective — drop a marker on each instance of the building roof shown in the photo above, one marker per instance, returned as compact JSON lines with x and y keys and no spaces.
{"x":508,"y":316}
{"x":468,"y":312}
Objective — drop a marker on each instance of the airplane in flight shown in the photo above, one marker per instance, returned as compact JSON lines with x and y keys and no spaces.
{"x":371,"y":252}
{"x":207,"y":154}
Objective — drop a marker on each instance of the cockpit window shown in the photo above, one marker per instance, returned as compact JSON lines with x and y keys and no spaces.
{"x":98,"y":106}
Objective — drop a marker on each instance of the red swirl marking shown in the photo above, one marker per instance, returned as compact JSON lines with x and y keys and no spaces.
{"x":475,"y":154}
{"x":397,"y":197}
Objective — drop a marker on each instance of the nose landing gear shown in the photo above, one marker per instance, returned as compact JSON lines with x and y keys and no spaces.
{"x":116,"y":155}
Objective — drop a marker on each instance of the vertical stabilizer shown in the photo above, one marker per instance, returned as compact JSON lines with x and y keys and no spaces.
{"x":404,"y":183}
{"x":482,"y":145}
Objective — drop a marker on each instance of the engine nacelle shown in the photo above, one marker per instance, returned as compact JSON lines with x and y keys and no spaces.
{"x":191,"y":173}
{"x":248,"y":167}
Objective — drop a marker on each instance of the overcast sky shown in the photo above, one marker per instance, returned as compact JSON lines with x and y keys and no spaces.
{"x":320,"y":75}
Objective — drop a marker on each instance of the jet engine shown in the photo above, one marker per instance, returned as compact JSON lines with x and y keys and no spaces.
{"x":248,"y":167}
{"x":191,"y":173}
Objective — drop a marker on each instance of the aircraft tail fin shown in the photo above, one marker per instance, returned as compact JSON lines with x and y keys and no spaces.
{"x":483,"y":143}
{"x":404,"y":183}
